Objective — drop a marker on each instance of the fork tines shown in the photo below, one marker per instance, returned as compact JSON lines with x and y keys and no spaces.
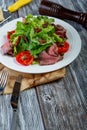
{"x":3,"y":79}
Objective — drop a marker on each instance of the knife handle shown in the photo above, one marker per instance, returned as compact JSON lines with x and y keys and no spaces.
{"x":15,"y":93}
{"x":15,"y":96}
{"x":56,"y":10}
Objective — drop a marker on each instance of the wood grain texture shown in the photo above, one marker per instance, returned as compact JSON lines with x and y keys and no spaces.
{"x":62,"y":104}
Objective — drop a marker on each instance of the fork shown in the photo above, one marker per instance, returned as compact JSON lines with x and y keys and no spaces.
{"x":3,"y":80}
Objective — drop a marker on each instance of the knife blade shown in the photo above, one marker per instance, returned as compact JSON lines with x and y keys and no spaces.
{"x":14,"y":101}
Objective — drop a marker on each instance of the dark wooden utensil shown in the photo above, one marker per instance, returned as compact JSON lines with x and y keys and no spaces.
{"x":14,"y":101}
{"x":56,"y":10}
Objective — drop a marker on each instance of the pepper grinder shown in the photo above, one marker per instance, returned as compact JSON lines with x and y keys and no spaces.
{"x":56,"y":10}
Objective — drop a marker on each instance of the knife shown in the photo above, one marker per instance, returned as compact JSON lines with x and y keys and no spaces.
{"x":14,"y":101}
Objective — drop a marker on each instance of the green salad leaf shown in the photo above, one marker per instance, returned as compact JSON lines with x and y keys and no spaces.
{"x":34,"y":34}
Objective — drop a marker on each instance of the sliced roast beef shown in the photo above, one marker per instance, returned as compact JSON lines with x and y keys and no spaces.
{"x":10,"y":52}
{"x":61,"y":31}
{"x":6,"y":48}
{"x":53,"y":50}
{"x":59,"y":27}
{"x":46,"y":59}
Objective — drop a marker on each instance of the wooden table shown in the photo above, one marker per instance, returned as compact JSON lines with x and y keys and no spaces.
{"x":60,"y":105}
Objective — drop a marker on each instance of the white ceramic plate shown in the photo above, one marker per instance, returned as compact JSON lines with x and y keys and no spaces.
{"x":73,"y":39}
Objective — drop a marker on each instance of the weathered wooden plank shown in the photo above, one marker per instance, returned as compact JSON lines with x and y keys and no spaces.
{"x":61,"y":105}
{"x":79,"y":66}
{"x":29,"y":117}
{"x":5,"y":112}
{"x":32,"y":8}
{"x":29,"y":112}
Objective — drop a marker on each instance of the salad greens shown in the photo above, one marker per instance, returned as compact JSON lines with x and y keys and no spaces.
{"x":35,"y":34}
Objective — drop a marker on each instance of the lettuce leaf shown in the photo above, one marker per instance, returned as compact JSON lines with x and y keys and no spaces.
{"x":34,"y":29}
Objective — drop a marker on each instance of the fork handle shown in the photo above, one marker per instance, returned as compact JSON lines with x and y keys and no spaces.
{"x":56,"y":10}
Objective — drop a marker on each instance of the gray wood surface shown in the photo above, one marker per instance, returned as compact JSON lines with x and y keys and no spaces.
{"x":60,"y":105}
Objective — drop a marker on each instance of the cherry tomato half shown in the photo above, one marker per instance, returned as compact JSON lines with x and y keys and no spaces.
{"x":9,"y":34}
{"x":64,"y":48}
{"x":24,"y":58}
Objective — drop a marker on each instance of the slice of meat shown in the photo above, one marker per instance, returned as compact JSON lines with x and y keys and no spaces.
{"x":61,"y":31}
{"x":5,"y":48}
{"x":59,"y":27}
{"x":53,"y":50}
{"x":46,"y":59}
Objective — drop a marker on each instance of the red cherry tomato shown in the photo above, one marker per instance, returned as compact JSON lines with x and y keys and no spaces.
{"x":24,"y":58}
{"x":64,"y":48}
{"x":9,"y":34}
